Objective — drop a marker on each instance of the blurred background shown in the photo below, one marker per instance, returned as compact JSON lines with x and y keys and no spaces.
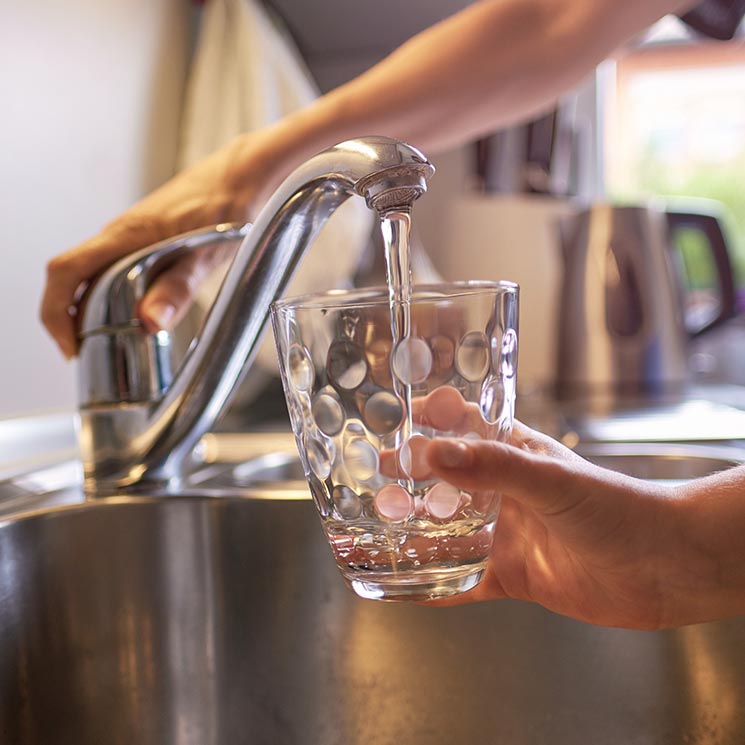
{"x":94,"y":96}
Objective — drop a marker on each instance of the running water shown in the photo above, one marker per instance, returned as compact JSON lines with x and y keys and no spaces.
{"x":415,"y":536}
{"x":396,"y":230}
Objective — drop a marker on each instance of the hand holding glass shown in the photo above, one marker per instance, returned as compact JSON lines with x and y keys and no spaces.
{"x":364,"y":401}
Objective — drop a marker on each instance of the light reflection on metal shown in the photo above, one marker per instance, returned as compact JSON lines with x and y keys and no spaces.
{"x":713,"y":691}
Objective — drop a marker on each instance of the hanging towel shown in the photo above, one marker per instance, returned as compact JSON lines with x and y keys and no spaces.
{"x":247,"y":74}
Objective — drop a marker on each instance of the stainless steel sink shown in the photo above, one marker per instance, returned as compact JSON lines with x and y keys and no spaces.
{"x":668,"y":462}
{"x":280,"y":470}
{"x":195,"y":620}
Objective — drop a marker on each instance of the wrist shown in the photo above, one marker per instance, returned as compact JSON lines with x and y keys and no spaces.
{"x":252,"y":163}
{"x":259,"y":161}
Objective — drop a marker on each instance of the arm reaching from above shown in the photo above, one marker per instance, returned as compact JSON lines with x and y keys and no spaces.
{"x":492,"y":64}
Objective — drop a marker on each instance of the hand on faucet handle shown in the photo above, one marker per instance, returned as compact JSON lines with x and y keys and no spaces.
{"x":214,"y":191}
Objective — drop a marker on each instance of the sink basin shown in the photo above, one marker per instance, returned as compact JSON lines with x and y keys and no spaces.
{"x":195,"y":620}
{"x":668,"y":462}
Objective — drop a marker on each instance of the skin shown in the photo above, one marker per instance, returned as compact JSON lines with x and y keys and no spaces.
{"x":584,"y":541}
{"x":590,"y":543}
{"x":497,"y":62}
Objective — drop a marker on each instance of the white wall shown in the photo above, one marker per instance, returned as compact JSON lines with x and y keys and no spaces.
{"x":90,"y":96}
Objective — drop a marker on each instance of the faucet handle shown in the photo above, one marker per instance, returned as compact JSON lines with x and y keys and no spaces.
{"x":112,"y":300}
{"x":119,"y":362}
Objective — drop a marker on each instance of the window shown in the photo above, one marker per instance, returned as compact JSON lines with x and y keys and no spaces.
{"x":675,"y":127}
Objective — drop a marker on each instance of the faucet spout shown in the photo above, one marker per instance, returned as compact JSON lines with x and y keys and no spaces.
{"x":137,"y":441}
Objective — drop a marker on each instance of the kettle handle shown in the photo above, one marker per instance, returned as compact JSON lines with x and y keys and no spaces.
{"x":710,"y":226}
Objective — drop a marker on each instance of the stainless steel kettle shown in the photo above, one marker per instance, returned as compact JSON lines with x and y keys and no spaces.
{"x":623,"y":325}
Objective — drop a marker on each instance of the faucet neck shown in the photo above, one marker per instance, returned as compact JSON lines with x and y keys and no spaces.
{"x":160,"y":436}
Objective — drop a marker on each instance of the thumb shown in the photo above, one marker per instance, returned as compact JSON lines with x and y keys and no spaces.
{"x":546,"y":485}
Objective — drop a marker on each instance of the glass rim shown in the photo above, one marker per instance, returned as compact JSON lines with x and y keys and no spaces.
{"x":378,"y":295}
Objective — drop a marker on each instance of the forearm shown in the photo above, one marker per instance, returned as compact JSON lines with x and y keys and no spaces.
{"x":711,"y":534}
{"x":491,"y":65}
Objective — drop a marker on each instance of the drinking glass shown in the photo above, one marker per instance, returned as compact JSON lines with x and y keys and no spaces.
{"x":368,"y":384}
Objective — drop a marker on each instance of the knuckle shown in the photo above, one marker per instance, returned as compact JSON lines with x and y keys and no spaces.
{"x":61,"y":265}
{"x":139,"y":229}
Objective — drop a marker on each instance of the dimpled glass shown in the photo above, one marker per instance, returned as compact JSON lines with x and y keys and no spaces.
{"x":364,"y":407}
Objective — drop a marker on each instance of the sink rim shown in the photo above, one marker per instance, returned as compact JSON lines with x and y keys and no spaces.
{"x":120,"y":500}
{"x":256,"y":450}
{"x":679,"y":450}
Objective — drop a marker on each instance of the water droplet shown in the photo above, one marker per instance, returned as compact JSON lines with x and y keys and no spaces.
{"x":361,"y":460}
{"x":346,"y":503}
{"x":383,"y":412}
{"x":300,"y":368}
{"x":412,"y":360}
{"x":345,"y":365}
{"x":393,"y":502}
{"x":472,"y":357}
{"x":328,"y":413}
{"x":319,"y":457}
{"x":412,"y":458}
{"x":442,"y":501}
{"x":509,"y":353}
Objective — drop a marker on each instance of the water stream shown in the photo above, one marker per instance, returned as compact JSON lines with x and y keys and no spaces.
{"x":396,"y":230}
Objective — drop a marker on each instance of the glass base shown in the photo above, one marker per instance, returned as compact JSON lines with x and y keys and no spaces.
{"x":414,"y":586}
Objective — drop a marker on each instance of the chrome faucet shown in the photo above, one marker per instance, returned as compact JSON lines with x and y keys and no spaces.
{"x":139,"y":419}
